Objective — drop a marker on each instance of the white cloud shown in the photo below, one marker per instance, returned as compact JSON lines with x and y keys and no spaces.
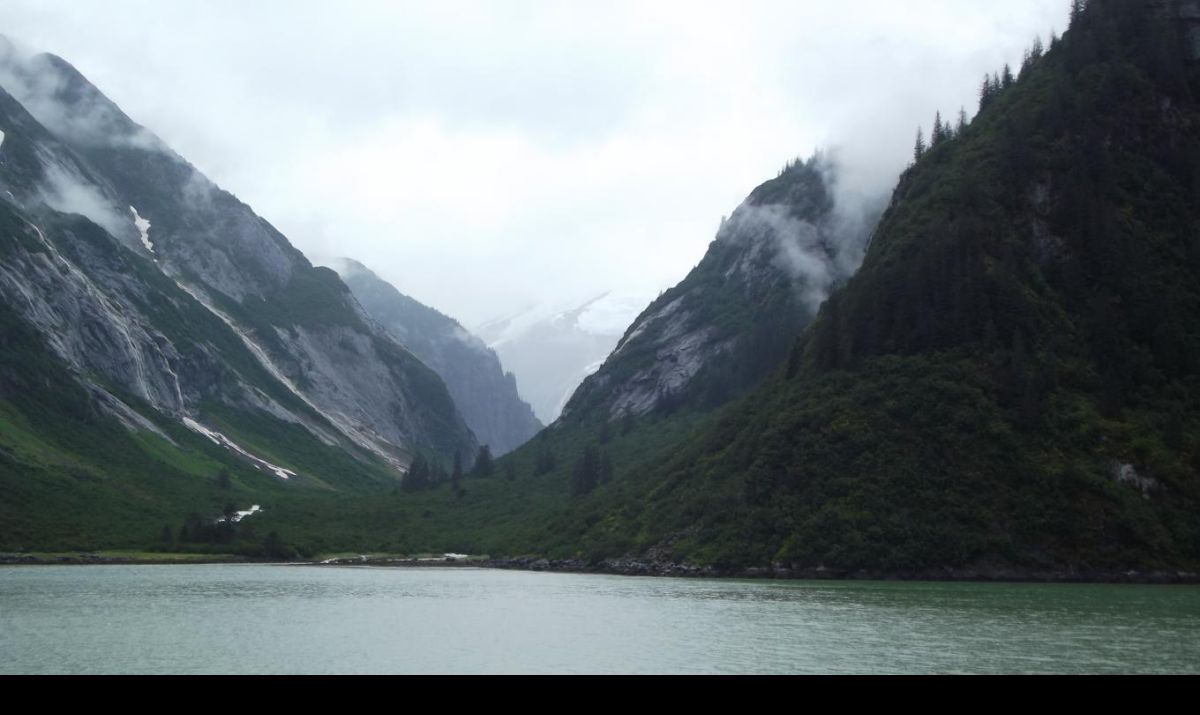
{"x":484,"y":156}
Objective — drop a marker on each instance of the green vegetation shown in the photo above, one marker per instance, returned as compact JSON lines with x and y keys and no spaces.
{"x":1011,"y":381}
{"x":1024,"y":326}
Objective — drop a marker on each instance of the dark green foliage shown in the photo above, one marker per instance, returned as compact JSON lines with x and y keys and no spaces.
{"x":546,"y":461}
{"x":605,"y":469}
{"x":1023,"y":332}
{"x":456,"y":476}
{"x":586,"y":476}
{"x":275,"y":548}
{"x":314,"y":297}
{"x":483,"y":463}
{"x":420,"y":476}
{"x":1027,"y":320}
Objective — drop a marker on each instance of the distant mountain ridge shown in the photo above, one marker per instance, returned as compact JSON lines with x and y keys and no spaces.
{"x":485,"y":395}
{"x":551,"y":351}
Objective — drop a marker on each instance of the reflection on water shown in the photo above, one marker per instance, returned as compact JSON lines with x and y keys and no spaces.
{"x":282,"y":619}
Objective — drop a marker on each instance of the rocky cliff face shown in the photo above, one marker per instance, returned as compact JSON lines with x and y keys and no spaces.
{"x":484,"y":394}
{"x":733,"y":318}
{"x":154,"y":285}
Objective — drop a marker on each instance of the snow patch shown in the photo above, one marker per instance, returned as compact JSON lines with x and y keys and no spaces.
{"x":222,"y":441}
{"x":1,"y":138}
{"x":243,"y":514}
{"x":143,"y":227}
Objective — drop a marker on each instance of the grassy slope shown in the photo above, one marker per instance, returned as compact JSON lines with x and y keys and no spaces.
{"x":530,"y":514}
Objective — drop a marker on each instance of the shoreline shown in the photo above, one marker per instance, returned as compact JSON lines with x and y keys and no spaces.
{"x":84,"y":558}
{"x":630,"y":567}
{"x":648,"y":569}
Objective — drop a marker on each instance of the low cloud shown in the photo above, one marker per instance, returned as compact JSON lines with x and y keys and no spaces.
{"x":818,"y":254}
{"x":68,"y":193}
{"x":488,"y":157}
{"x":52,"y":93}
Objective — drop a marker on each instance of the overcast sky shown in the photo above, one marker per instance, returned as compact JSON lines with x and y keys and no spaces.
{"x":489,"y":156}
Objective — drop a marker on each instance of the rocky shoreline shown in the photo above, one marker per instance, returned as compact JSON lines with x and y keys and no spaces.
{"x":644,"y":568}
{"x":659,"y":569}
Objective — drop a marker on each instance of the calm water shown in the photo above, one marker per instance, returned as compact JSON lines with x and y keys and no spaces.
{"x":286,"y":619}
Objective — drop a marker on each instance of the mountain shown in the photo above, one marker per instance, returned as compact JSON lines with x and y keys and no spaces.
{"x":148,"y":310}
{"x":485,"y":395}
{"x":1010,"y":384}
{"x":733,"y":319}
{"x":551,"y":350}
{"x":574,"y":489}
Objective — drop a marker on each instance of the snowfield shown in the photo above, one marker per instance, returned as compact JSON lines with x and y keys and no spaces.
{"x":143,"y":227}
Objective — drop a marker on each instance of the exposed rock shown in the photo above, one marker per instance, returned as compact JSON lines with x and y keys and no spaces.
{"x":1127,"y":474}
{"x":484,"y":394}
{"x":189,"y":299}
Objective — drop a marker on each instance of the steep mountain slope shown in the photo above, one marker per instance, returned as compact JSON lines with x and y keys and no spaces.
{"x":733,"y":318}
{"x":1011,"y":381}
{"x":485,"y":395}
{"x":299,"y":320}
{"x":178,"y":314}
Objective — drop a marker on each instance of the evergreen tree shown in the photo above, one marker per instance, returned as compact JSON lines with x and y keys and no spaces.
{"x":606,"y":468}
{"x":986,"y":92}
{"x":962,"y":122}
{"x":273,"y":547}
{"x":939,"y":131}
{"x":457,"y":475}
{"x":1008,"y":79}
{"x":586,"y":476}
{"x":1077,"y":8}
{"x":510,"y":471}
{"x":546,"y":462}
{"x":483,"y":462}
{"x":419,"y":477}
{"x":919,"y":150}
{"x":223,"y":480}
